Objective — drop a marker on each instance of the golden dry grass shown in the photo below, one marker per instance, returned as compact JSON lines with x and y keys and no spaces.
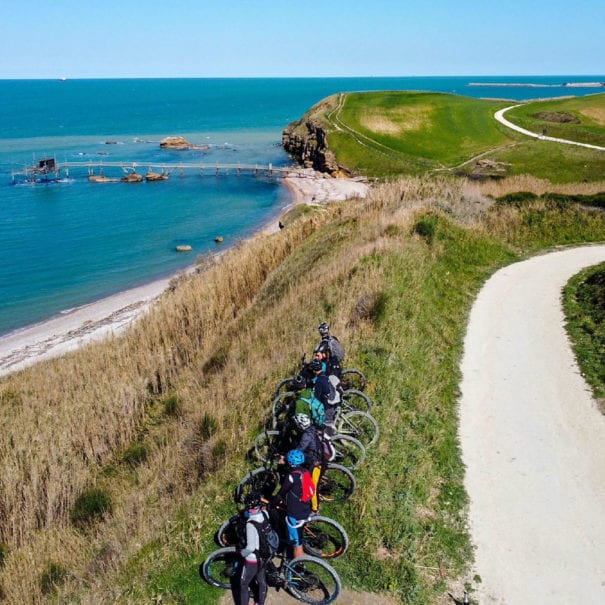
{"x":397,"y":121}
{"x":498,"y":188}
{"x":218,"y":342}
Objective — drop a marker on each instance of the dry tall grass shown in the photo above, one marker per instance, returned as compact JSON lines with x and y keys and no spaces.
{"x":218,"y":342}
{"x":498,"y":188}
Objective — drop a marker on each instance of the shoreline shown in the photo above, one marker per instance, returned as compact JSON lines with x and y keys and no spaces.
{"x":113,"y":314}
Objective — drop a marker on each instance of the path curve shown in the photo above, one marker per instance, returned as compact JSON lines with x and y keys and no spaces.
{"x":533,"y":441}
{"x":499,"y":116}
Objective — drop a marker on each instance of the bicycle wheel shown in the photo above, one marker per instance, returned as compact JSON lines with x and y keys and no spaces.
{"x":220,"y":566}
{"x":265,"y":444}
{"x":353,"y":379}
{"x":356,"y":400}
{"x":324,"y":538}
{"x":227,"y":532}
{"x":350,"y":452}
{"x":360,"y":425}
{"x":281,"y":408}
{"x":336,"y":484}
{"x":312,"y":580}
{"x":285,"y":385}
{"x":262,"y":480}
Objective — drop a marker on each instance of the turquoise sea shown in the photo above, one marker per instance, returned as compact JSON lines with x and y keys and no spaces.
{"x":66,"y":244}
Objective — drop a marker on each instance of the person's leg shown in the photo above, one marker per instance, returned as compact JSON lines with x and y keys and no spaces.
{"x":294,"y":535}
{"x":248,"y":572}
{"x":261,"y":583}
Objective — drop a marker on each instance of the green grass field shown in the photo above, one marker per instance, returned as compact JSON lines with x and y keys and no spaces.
{"x":413,"y":133}
{"x":579,"y":119}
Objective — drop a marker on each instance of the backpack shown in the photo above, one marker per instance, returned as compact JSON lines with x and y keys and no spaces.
{"x":268,"y":539}
{"x":308,"y":487}
{"x":337,"y":351}
{"x":316,"y":408}
{"x":327,"y":449}
{"x":335,"y":390}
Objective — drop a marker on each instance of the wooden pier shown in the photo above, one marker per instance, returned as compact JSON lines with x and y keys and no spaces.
{"x":97,"y":169}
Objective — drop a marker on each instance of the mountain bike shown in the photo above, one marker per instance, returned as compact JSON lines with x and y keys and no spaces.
{"x":283,"y":405}
{"x":336,"y":483}
{"x":321,"y":537}
{"x":360,"y":425}
{"x":348,"y":450}
{"x":307,"y":579}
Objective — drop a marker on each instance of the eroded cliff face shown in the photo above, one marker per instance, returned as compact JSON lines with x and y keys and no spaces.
{"x":307,"y":140}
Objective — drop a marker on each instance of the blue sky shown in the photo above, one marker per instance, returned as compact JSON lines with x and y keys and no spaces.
{"x":257,"y":38}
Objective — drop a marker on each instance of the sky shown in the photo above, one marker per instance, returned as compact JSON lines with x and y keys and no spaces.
{"x":284,"y":38}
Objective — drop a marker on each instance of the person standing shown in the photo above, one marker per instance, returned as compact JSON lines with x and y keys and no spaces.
{"x":296,"y":491}
{"x":251,"y":574}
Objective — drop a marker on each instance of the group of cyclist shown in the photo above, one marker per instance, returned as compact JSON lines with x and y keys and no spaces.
{"x":313,"y":417}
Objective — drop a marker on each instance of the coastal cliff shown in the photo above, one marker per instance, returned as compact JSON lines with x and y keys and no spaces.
{"x":307,"y":140}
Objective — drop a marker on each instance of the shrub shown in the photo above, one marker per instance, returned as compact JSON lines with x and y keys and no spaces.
{"x":426,"y":227}
{"x":135,"y":454}
{"x":54,"y":576}
{"x":3,"y":553}
{"x":172,"y":406}
{"x":89,"y":507}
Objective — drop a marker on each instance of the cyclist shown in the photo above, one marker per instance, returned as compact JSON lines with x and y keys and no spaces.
{"x":251,"y":576}
{"x":325,"y":392}
{"x":311,"y":446}
{"x":335,"y":348}
{"x":330,"y":363}
{"x":295,"y":492}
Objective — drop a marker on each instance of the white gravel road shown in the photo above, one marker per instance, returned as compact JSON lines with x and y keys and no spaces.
{"x":533,"y":441}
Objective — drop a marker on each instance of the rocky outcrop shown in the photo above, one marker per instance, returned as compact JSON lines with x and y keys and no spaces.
{"x":307,"y":141}
{"x":174,"y":142}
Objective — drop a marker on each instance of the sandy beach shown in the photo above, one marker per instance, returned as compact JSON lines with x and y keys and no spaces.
{"x":113,"y":314}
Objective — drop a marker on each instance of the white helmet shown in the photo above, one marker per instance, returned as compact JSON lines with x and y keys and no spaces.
{"x":302,"y":421}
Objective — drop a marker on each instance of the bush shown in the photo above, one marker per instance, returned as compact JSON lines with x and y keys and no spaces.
{"x":3,"y":553}
{"x":54,"y":576}
{"x":172,"y":406}
{"x":426,"y":227}
{"x":135,"y":454}
{"x":90,"y":507}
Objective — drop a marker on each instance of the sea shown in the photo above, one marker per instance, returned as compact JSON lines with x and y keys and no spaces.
{"x":68,"y":243}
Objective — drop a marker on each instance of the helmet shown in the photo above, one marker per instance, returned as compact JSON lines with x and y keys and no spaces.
{"x":315,"y":365}
{"x":322,"y":347}
{"x":299,"y":382}
{"x":295,"y":457}
{"x":323,"y":328}
{"x":302,"y":421}
{"x":252,"y":500}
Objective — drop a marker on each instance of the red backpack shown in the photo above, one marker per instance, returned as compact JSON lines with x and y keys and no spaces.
{"x":308,"y":487}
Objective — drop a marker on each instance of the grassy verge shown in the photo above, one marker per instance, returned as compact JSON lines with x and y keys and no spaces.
{"x":584,"y":302}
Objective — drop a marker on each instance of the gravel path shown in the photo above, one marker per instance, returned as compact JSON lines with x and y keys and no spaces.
{"x":533,"y":441}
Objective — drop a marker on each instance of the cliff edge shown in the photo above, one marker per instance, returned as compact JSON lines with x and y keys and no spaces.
{"x":307,"y":139}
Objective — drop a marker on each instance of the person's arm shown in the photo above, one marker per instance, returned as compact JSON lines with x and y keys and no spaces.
{"x":286,"y":486}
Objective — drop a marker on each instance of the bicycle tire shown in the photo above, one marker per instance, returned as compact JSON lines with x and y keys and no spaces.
{"x":226,"y":533}
{"x":336,"y":484}
{"x":264,"y":444}
{"x":358,"y":424}
{"x":285,"y":385}
{"x":324,"y":538}
{"x":350,"y":452}
{"x":215,"y":569}
{"x":353,"y":379}
{"x":262,"y":480}
{"x":356,"y":400}
{"x":312,"y":580}
{"x":280,"y":409}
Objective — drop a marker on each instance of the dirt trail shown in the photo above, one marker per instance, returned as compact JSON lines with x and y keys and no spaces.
{"x":533,"y":441}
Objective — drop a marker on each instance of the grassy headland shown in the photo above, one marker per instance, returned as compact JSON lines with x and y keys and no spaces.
{"x":392,"y":133}
{"x":160,"y":420}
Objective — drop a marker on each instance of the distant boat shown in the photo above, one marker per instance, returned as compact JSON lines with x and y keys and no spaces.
{"x":62,"y":79}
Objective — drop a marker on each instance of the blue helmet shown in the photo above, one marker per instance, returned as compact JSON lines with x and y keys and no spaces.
{"x":295,"y":457}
